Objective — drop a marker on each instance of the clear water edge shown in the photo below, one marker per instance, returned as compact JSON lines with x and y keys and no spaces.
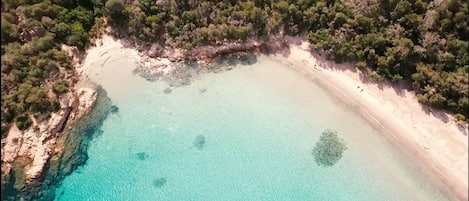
{"x":401,"y":147}
{"x":259,"y":131}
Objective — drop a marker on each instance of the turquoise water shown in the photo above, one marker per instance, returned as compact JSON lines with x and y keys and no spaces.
{"x":260,"y":124}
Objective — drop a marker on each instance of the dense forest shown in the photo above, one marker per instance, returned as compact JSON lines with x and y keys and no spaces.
{"x":420,"y":41}
{"x":34,"y":67}
{"x":425,"y":42}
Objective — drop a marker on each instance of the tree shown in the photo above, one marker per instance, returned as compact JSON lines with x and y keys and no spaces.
{"x":115,"y":10}
{"x":60,"y":87}
{"x":23,"y":122}
{"x":78,"y":37}
{"x":10,"y":31}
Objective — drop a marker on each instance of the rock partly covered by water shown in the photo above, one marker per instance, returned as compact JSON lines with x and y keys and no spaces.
{"x":86,"y":100}
{"x":181,"y":73}
{"x":36,"y":145}
{"x":178,"y":67}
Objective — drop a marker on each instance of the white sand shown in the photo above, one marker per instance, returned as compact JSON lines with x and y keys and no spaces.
{"x":440,"y":147}
{"x":100,"y":53}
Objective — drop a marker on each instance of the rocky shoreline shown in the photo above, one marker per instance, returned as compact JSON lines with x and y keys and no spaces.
{"x":178,"y":67}
{"x":35,"y":160}
{"x":35,"y":146}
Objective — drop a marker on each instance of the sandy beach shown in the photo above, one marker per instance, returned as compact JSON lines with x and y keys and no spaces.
{"x":432,"y":139}
{"x":105,"y":46}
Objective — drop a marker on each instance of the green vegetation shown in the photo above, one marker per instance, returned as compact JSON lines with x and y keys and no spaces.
{"x":418,"y":41}
{"x":413,"y":40}
{"x":23,"y":122}
{"x":60,"y":87}
{"x":422,"y":42}
{"x":115,"y":10}
{"x":191,"y":23}
{"x":328,"y":151}
{"x":33,"y":63}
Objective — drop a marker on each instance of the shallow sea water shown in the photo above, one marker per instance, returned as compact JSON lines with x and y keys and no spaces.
{"x":259,"y":125}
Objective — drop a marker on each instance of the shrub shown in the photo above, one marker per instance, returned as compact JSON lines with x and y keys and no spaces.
{"x":23,"y":122}
{"x":114,"y":9}
{"x":60,"y":87}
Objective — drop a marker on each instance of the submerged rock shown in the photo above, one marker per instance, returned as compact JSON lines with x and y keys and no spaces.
{"x":98,"y":133}
{"x":34,"y":162}
{"x":142,"y":156}
{"x":199,"y":141}
{"x":159,"y":182}
{"x":182,"y":70}
{"x":114,"y":109}
{"x":167,"y":90}
{"x":329,"y":150}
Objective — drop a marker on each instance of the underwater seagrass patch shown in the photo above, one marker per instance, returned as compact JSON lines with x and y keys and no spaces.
{"x":329,"y":149}
{"x":142,"y":156}
{"x":199,"y":141}
{"x":114,"y":109}
{"x":159,"y":182}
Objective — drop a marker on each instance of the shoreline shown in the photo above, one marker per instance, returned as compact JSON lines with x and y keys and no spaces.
{"x":440,"y":150}
{"x":437,"y":158}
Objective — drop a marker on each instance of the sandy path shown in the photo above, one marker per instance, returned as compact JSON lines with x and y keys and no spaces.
{"x":438,"y":145}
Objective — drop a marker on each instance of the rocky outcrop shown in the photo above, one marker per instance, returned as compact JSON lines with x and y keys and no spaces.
{"x":38,"y":143}
{"x":37,"y":31}
{"x":86,"y":100}
{"x":206,"y":53}
{"x":178,"y":67}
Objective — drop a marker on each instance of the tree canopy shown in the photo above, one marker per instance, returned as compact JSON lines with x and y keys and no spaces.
{"x":33,"y":65}
{"x":421,"y":42}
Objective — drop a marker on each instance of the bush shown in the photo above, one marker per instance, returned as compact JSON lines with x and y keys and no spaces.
{"x":60,"y":87}
{"x":23,"y":122}
{"x":328,"y":151}
{"x":115,"y":10}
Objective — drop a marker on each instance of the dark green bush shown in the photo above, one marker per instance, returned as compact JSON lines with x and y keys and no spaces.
{"x":23,"y":122}
{"x":60,"y":87}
